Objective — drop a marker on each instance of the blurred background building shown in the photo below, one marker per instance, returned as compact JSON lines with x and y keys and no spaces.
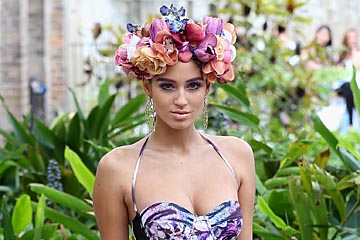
{"x":47,"y":46}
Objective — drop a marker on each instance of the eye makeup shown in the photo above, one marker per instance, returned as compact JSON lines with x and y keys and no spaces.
{"x":195,"y":84}
{"x":170,"y":84}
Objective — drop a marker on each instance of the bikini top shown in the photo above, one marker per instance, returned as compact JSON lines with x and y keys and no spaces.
{"x":166,"y":220}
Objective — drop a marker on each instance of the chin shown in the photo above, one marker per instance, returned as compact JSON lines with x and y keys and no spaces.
{"x":180,"y":126}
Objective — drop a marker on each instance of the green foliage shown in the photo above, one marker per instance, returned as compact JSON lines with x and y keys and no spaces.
{"x":22,"y":214}
{"x":355,"y":89}
{"x":7,"y":228}
{"x":39,"y":218}
{"x":85,"y":177}
{"x":58,"y":162}
{"x":307,"y":176}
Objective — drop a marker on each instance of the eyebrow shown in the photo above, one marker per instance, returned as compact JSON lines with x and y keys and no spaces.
{"x":171,"y":80}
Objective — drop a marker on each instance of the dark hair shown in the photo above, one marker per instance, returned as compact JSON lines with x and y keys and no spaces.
{"x":281,"y":28}
{"x":329,"y":43}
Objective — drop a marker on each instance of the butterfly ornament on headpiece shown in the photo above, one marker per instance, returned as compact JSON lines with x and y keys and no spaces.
{"x":148,"y":50}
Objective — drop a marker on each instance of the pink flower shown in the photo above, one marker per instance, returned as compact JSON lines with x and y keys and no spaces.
{"x":194,"y":33}
{"x":228,"y":54}
{"x":229,"y":32}
{"x":144,"y":42}
{"x":127,"y":37}
{"x":184,"y":53}
{"x":121,"y":56}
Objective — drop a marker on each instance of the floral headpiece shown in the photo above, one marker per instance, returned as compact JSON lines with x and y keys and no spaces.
{"x":148,"y":50}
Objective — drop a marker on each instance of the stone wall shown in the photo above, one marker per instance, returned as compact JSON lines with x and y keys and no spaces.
{"x":31,"y":51}
{"x":10,"y":58}
{"x":57,"y":97}
{"x":32,"y":55}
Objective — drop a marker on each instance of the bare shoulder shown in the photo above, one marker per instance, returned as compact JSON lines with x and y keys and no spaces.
{"x":114,"y":161}
{"x":231,"y":145}
{"x":112,"y":191}
{"x":237,"y":151}
{"x":116,"y":167}
{"x":113,"y":177}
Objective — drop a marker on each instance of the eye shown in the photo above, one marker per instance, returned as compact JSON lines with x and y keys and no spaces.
{"x":166,"y":86}
{"x":194,"y":85}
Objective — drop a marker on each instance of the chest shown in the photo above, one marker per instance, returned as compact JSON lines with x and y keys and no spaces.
{"x":198,"y":184}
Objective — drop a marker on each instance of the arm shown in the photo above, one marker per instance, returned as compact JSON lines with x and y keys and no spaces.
{"x":246,"y":191}
{"x":108,"y":196}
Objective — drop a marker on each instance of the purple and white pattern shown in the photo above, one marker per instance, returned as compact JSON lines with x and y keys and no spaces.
{"x":170,"y":221}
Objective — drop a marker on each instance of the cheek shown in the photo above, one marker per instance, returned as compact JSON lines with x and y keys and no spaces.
{"x":162,"y":102}
{"x":159,"y":105}
{"x":199,"y":104}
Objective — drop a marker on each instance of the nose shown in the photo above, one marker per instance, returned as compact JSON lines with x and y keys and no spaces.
{"x":181,"y":98}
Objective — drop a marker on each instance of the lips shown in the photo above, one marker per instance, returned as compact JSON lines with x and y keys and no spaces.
{"x":181,"y":114}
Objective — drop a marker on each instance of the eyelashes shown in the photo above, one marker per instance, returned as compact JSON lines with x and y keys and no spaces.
{"x":195,"y":85}
{"x":167,"y":86}
{"x":191,"y":85}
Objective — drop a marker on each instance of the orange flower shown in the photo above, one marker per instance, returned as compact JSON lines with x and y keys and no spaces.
{"x":169,"y":56}
{"x":147,"y":60}
{"x":218,"y":70}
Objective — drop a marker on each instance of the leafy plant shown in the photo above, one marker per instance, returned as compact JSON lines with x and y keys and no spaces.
{"x":35,"y":155}
{"x":301,"y":166}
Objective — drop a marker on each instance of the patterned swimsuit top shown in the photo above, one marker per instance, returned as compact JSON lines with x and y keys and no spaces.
{"x":166,"y":220}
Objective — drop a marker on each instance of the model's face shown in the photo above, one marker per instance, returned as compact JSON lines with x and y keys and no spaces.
{"x":351,"y":39}
{"x":178,"y":95}
{"x":323,"y":37}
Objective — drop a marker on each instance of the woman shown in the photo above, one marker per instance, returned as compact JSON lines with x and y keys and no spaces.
{"x":177,"y":183}
{"x":324,"y":36}
{"x":350,"y":57}
{"x":319,"y":53}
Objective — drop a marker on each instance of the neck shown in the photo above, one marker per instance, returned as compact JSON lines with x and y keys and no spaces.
{"x":182,"y":141}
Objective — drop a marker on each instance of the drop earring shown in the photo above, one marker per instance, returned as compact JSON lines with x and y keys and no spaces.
{"x":205,"y":113}
{"x":150,"y":114}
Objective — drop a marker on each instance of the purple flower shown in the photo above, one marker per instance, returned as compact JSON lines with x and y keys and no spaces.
{"x":132,"y":27}
{"x":174,"y":17}
{"x":177,"y":26}
{"x":156,"y":26}
{"x":165,"y":11}
{"x":213,"y":25}
{"x":205,"y":51}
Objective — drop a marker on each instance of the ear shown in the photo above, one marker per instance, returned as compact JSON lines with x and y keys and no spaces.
{"x":147,"y":87}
